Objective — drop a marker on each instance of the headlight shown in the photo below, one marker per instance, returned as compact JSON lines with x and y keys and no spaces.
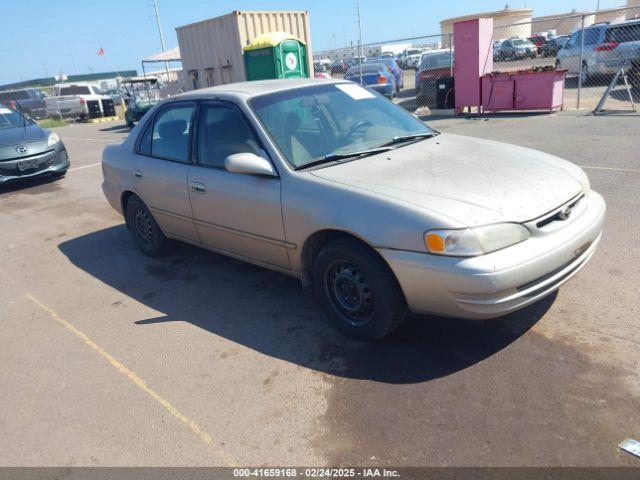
{"x":471,"y":242}
{"x":53,"y":139}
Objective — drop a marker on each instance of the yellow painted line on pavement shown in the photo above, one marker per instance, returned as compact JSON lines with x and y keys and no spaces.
{"x":612,"y":169}
{"x":139,"y":382}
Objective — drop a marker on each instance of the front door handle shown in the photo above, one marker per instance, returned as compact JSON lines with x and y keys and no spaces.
{"x":198,"y":187}
{"x":137,"y":173}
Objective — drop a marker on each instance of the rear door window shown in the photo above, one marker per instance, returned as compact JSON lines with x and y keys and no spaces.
{"x":171,"y":137}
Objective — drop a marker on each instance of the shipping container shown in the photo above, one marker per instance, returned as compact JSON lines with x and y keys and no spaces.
{"x":212,"y":50}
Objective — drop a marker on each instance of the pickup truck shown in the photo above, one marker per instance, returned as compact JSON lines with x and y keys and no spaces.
{"x":28,"y":101}
{"x":72,"y":101}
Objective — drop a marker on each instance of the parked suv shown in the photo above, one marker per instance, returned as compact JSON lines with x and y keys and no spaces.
{"x":606,"y":49}
{"x":30,"y":101}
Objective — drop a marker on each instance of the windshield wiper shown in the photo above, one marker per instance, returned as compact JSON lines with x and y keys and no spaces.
{"x":406,"y":138}
{"x":331,"y":157}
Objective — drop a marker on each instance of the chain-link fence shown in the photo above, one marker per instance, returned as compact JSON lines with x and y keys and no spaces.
{"x":600,"y":52}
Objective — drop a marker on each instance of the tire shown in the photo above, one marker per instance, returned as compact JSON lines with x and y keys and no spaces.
{"x":584,"y":80}
{"x":130,"y":124}
{"x":357,"y":290}
{"x":145,"y":230}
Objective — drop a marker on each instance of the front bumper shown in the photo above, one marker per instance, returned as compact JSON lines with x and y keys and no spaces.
{"x":504,"y":281}
{"x":51,"y":162}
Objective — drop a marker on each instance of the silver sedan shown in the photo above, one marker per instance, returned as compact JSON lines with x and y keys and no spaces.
{"x":333,"y":184}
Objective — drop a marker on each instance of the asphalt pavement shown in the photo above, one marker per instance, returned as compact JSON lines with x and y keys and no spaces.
{"x":110,"y":358}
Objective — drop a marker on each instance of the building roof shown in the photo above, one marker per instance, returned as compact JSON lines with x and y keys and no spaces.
{"x":497,"y":13}
{"x":172,"y":55}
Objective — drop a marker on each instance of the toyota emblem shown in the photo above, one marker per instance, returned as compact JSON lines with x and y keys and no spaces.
{"x":22,"y":149}
{"x":564,"y":213}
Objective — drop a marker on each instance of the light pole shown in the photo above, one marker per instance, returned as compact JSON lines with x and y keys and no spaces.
{"x":164,"y":50}
{"x":359,"y":39}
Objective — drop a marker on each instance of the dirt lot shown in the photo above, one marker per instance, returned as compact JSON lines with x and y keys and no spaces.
{"x":111,"y":358}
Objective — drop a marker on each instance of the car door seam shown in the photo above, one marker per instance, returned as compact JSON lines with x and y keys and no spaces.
{"x":274,"y":241}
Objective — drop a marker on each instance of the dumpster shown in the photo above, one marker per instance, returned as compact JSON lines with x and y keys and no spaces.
{"x":275,"y":55}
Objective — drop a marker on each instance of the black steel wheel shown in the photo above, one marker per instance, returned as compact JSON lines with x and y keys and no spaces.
{"x":357,"y":290}
{"x":145,"y":230}
{"x":350,"y":292}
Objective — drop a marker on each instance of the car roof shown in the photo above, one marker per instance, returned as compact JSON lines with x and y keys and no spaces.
{"x":436,"y":52}
{"x":255,"y":88}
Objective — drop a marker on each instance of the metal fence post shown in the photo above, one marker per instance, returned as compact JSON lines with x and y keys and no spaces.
{"x":581,"y":62}
{"x":451,"y":53}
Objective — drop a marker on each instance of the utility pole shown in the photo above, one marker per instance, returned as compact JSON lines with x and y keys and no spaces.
{"x":164,"y":50}
{"x":598,"y":6}
{"x":359,"y":39}
{"x":73,"y":58}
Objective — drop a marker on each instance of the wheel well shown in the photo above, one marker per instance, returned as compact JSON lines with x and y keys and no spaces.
{"x":126,"y":196}
{"x":316,"y":242}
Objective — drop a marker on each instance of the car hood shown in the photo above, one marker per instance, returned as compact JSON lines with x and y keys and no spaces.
{"x":32,"y":135}
{"x":471,"y":181}
{"x":19,"y":135}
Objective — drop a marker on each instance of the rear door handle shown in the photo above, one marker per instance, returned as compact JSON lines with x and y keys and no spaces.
{"x":137,"y":173}
{"x":198,"y":187}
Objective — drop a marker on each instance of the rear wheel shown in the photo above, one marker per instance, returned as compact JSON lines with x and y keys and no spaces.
{"x":585,"y":76}
{"x":145,"y":230}
{"x":357,"y":290}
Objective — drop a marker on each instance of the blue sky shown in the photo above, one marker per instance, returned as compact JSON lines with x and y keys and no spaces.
{"x":38,"y":35}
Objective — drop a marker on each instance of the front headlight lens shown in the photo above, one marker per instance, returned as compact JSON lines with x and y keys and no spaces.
{"x":471,"y":242}
{"x":53,"y":139}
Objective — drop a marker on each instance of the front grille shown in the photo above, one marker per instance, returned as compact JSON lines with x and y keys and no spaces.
{"x":558,"y":216}
{"x":45,"y":161}
{"x":26,"y":157}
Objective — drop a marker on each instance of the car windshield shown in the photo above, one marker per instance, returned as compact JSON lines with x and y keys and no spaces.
{"x":11,"y":119}
{"x":314,"y":124}
{"x":520,"y":42}
{"x":414,"y":52}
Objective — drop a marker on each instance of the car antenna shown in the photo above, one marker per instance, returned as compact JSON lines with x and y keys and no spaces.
{"x":24,"y":120}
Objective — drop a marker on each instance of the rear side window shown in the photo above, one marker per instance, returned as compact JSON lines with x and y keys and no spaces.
{"x":144,"y":146}
{"x":172,"y":132}
{"x":624,"y":33}
{"x":15,"y":95}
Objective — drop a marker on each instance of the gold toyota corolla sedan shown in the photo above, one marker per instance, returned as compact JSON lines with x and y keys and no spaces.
{"x":336,"y":185}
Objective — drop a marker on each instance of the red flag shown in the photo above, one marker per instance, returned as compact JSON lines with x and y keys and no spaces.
{"x":101,"y":51}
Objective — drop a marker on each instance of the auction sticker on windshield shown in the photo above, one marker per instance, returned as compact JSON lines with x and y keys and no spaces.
{"x":355,"y":91}
{"x":4,"y":111}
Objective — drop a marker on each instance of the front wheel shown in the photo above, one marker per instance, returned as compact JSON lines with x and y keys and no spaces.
{"x":357,"y":290}
{"x":146,"y":232}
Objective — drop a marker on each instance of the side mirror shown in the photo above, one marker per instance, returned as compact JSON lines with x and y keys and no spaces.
{"x":249,"y":164}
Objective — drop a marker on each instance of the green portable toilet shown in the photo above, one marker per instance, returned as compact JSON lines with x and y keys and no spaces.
{"x":276,"y":55}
